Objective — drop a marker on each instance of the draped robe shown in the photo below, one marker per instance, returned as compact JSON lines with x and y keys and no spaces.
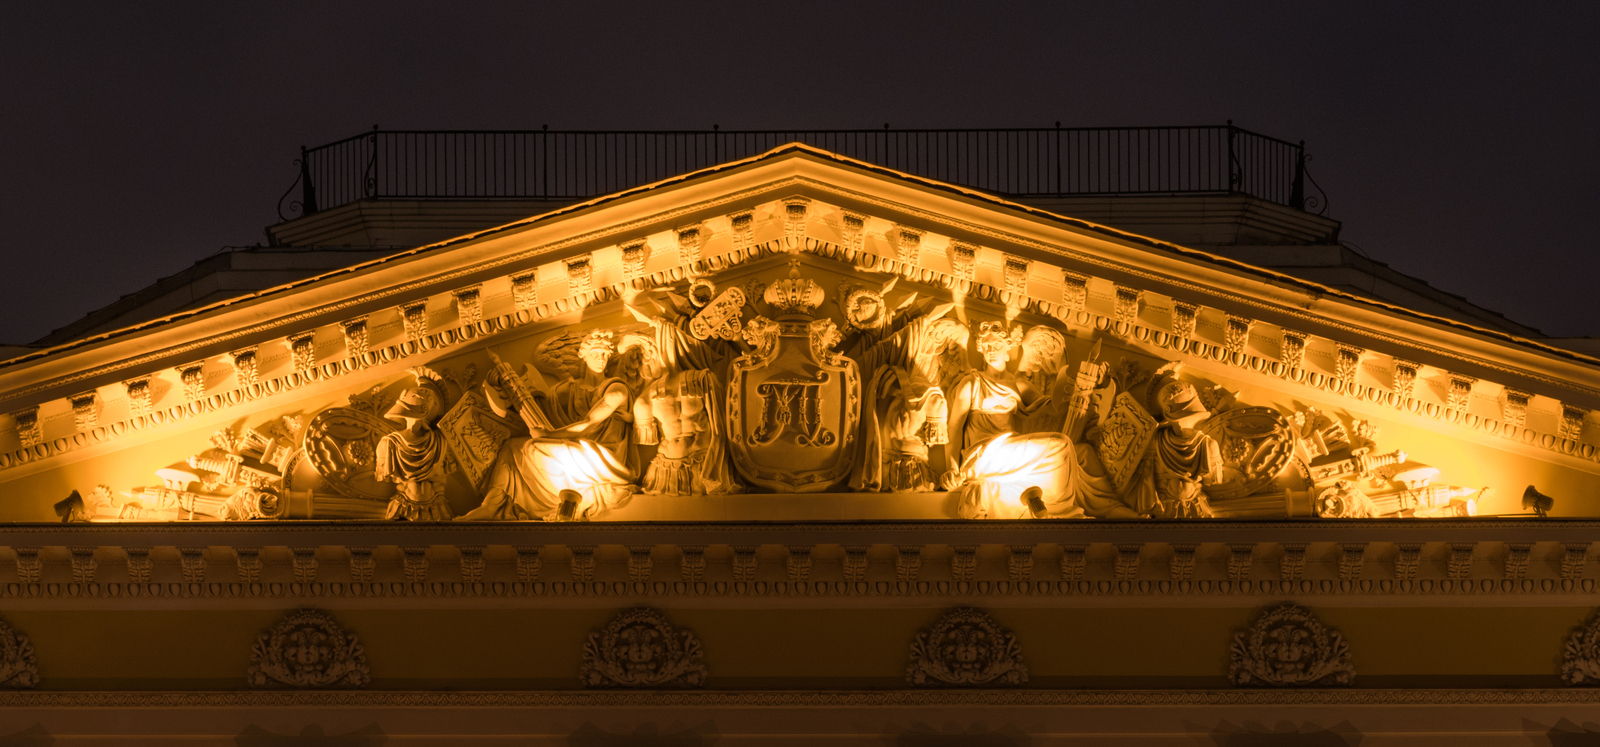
{"x":1009,"y":446}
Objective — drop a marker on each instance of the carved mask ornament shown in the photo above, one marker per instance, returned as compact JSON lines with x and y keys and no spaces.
{"x":1287,"y":646}
{"x":18,"y":669}
{"x":640,"y":648}
{"x":966,"y":649}
{"x":308,"y":649}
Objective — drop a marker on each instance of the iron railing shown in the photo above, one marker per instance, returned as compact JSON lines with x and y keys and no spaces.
{"x":555,"y":165}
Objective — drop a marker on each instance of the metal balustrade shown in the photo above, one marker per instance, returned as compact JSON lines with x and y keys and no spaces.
{"x":576,"y":165}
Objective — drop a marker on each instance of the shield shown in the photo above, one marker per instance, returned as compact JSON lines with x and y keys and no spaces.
{"x":1123,"y":438}
{"x":342,"y":444}
{"x":1257,"y":446}
{"x":474,"y":434}
{"x":792,"y":417}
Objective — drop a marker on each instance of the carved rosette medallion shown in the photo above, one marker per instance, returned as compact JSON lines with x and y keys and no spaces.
{"x":18,"y":669}
{"x":308,"y":649}
{"x":1287,"y":646}
{"x":966,"y":649}
{"x":1580,"y":657}
{"x":640,"y":648}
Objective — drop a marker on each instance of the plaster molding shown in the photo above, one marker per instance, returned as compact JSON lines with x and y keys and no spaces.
{"x":308,"y":649}
{"x":1580,"y":657}
{"x":18,"y":667}
{"x":807,"y":699}
{"x":1287,"y":646}
{"x":640,"y":648}
{"x":966,"y":648}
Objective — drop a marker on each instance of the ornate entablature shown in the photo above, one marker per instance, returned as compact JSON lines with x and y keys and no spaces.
{"x":819,"y":329}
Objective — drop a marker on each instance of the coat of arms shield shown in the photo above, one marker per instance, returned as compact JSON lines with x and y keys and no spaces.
{"x":793,"y":408}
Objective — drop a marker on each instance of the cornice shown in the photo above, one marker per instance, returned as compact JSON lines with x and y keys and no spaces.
{"x":1041,"y":562}
{"x":1286,"y":301}
{"x":1022,"y":698}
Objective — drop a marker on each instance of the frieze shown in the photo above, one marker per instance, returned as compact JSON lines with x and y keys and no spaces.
{"x":1568,"y":445}
{"x":782,"y":698}
{"x":643,"y":569}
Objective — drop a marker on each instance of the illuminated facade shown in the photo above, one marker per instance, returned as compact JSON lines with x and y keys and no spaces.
{"x":802,"y":449}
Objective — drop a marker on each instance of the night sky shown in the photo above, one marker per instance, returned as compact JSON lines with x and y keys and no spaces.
{"x":1459,"y":144}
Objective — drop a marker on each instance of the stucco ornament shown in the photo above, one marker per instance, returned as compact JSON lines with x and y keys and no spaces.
{"x":18,"y":669}
{"x":308,"y":649}
{"x":640,"y":648}
{"x":1580,"y":658}
{"x":966,"y":649}
{"x":1287,"y":646}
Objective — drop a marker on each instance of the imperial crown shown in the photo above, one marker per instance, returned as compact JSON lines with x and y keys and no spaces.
{"x":794,"y":295}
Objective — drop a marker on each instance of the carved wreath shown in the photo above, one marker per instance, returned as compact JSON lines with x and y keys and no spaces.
{"x":308,"y":649}
{"x":1580,"y":658}
{"x":640,"y":648}
{"x":1287,"y":646}
{"x":18,"y":669}
{"x":966,"y":648}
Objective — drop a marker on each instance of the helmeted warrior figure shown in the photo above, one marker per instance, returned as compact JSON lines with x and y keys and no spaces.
{"x":413,"y":458}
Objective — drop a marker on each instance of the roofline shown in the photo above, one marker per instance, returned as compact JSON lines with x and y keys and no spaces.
{"x":801,"y":149}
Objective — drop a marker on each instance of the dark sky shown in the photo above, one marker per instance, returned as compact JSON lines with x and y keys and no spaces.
{"x":1458,"y":143}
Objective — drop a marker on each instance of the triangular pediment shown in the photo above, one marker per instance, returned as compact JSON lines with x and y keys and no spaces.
{"x":1484,"y":409}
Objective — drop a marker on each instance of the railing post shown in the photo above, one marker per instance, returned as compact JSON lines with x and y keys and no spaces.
{"x":308,"y":191}
{"x":370,"y":177}
{"x":1297,"y":191}
{"x":1233,"y":176}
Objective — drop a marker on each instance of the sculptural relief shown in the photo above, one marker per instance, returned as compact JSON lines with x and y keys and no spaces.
{"x":18,"y":667}
{"x":1580,"y":656}
{"x":308,"y":649}
{"x":1287,"y":646}
{"x":641,"y":648}
{"x":1182,"y":461}
{"x":966,"y":648}
{"x":1015,"y":461}
{"x":906,"y":408}
{"x":577,"y":459}
{"x":770,"y":385}
{"x":682,"y":410}
{"x":413,"y":458}
{"x":794,"y":401}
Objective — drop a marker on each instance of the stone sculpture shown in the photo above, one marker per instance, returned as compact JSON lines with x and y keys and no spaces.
{"x":308,"y":649}
{"x":907,"y":410}
{"x":18,"y":667}
{"x":683,"y":411}
{"x":966,"y":648}
{"x":794,"y":401}
{"x":1287,"y":646}
{"x":1182,"y":461}
{"x":707,"y":395}
{"x":1015,"y":461}
{"x":1580,"y":657}
{"x":577,"y":459}
{"x":413,"y":458}
{"x":640,"y":648}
